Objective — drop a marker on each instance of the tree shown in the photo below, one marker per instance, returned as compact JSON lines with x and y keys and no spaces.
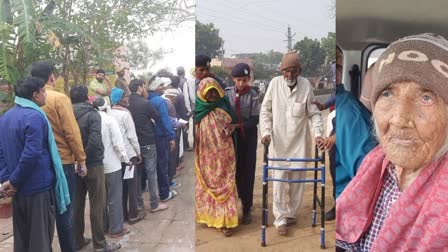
{"x":266,"y":64}
{"x":208,"y":41}
{"x":328,"y":44}
{"x":312,"y":56}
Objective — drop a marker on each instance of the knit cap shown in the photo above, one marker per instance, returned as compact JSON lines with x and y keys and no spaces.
{"x":116,"y":95}
{"x":419,"y":58}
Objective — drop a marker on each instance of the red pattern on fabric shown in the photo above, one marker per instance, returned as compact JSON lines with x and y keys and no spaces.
{"x":416,"y":221}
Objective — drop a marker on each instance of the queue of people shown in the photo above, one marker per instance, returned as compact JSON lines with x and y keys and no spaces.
{"x":111,"y":145}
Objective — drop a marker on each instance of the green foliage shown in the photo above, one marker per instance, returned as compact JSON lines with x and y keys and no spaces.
{"x":222,"y":74}
{"x":315,"y":55}
{"x":329,"y":46}
{"x":208,"y":41}
{"x":265,"y":64}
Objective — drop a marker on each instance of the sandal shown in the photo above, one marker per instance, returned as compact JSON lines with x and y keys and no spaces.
{"x":139,"y":217}
{"x":123,"y":232}
{"x":226,"y":231}
{"x":85,"y":242}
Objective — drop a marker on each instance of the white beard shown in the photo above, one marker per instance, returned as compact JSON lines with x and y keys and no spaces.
{"x":291,"y":83}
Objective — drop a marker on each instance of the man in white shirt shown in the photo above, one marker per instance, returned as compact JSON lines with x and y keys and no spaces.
{"x":284,"y":122}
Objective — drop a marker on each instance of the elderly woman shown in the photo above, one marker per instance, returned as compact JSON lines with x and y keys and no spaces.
{"x":216,"y":204}
{"x":397,"y":201}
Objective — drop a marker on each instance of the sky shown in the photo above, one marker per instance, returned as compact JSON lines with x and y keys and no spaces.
{"x":249,"y":26}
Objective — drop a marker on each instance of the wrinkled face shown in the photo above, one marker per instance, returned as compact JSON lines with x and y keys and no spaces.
{"x":40,"y":97}
{"x":202,"y":72}
{"x":290,"y":73}
{"x":100,"y":77}
{"x":212,"y":95}
{"x":241,"y":82}
{"x":411,"y":124}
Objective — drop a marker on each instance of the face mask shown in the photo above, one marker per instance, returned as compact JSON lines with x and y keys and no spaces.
{"x":99,"y":79}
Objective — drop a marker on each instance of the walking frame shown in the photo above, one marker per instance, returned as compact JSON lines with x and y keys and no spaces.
{"x":316,"y":199}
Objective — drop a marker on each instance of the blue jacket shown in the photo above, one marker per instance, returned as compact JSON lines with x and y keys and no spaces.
{"x":25,"y":158}
{"x":354,"y":138}
{"x":164,"y":128}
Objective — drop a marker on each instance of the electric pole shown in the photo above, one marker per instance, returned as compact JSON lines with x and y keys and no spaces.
{"x":289,"y":39}
{"x":222,"y":53}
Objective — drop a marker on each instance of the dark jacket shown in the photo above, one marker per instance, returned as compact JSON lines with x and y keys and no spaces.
{"x":181,"y":109}
{"x":142,"y":112}
{"x":89,"y":121}
{"x":25,"y":158}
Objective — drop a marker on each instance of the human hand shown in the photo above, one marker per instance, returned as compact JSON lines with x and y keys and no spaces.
{"x":266,"y":140}
{"x":81,"y":169}
{"x":8,"y":189}
{"x":139,"y":159}
{"x":319,"y":105}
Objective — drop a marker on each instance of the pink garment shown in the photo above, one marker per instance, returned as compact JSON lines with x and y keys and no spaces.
{"x":417,"y":221}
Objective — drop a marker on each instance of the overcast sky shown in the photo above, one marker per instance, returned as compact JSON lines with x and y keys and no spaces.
{"x":259,"y":26}
{"x":180,"y":43}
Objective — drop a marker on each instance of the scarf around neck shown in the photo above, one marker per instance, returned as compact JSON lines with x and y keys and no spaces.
{"x":416,"y":220}
{"x":60,"y":188}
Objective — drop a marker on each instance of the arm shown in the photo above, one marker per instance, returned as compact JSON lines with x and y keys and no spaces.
{"x":70,"y":128}
{"x":167,"y":127}
{"x":34,"y":137}
{"x":94,"y":139}
{"x":117,"y":140}
{"x":131,"y":134}
{"x":314,"y":115}
{"x":4,"y":174}
{"x":254,"y":115}
{"x":186,"y":92}
{"x":152,"y":112}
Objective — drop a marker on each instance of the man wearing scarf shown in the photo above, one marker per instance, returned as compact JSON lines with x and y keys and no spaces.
{"x":31,"y":168}
{"x":244,"y":102}
{"x":284,"y":117}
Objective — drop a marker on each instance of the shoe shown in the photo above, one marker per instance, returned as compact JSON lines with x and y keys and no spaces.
{"x":226,"y":231}
{"x":109,"y":247}
{"x":123,"y":232}
{"x":282,"y":230}
{"x":86,"y":242}
{"x":330,"y":215}
{"x":247,"y":218}
{"x":174,"y":185}
{"x":189,"y":149}
{"x":140,"y":216}
{"x":290,"y":221}
{"x":160,"y":207}
{"x":171,"y":195}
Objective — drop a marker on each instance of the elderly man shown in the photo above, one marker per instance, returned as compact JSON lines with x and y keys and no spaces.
{"x":59,"y":111}
{"x":165,"y":137}
{"x":284,"y":119}
{"x":31,"y":168}
{"x":121,"y":82}
{"x":100,"y":86}
{"x":397,"y":200}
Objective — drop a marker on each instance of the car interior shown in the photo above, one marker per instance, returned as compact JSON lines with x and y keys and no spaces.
{"x":365,"y":28}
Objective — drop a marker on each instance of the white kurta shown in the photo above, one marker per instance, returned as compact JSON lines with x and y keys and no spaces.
{"x":285,"y":115}
{"x":114,"y":150}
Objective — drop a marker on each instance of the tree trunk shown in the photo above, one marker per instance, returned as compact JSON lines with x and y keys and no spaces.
{"x":66,"y":69}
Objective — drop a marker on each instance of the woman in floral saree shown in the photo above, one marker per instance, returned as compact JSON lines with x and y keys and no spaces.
{"x":215,"y":161}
